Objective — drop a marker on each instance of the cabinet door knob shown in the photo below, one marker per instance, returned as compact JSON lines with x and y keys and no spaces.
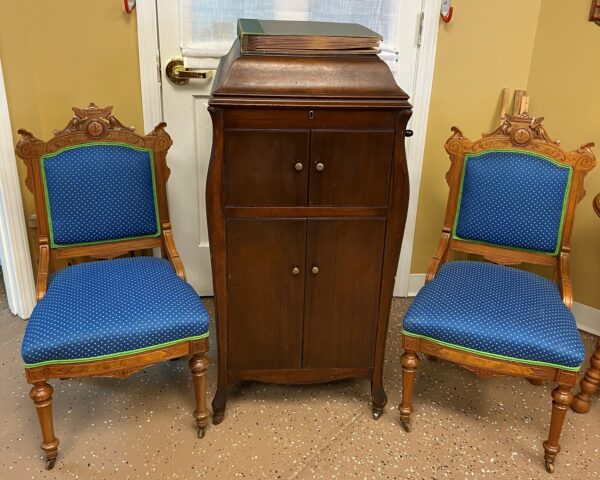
{"x":320,"y":167}
{"x":295,"y":271}
{"x":299,"y":167}
{"x":315,"y":270}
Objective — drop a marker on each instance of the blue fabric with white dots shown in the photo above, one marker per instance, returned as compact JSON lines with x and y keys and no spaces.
{"x":497,"y":311}
{"x":111,"y":307}
{"x":512,"y":199}
{"x":100,"y":192}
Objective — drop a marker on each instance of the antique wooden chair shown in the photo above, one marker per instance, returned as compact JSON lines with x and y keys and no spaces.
{"x":100,"y":193}
{"x":512,"y":200}
{"x":591,"y":380}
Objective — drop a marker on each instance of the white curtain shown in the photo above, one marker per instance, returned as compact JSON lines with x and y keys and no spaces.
{"x":208,"y":27}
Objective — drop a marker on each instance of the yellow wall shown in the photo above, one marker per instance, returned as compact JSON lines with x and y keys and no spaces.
{"x":548,"y":48}
{"x":63,"y":53}
{"x":57,"y":54}
{"x":486,"y":47}
{"x":564,"y":86}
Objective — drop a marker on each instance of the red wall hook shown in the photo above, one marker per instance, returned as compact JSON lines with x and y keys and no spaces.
{"x":129,"y":5}
{"x":446,"y":11}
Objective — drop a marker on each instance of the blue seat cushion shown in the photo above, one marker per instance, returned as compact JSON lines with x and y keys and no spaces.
{"x":499,"y":312}
{"x":112,"y":308}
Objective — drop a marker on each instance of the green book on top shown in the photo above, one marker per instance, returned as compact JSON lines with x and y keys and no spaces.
{"x":284,"y":36}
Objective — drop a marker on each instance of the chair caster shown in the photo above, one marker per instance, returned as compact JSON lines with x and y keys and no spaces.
{"x":376,"y":415}
{"x":201,"y":432}
{"x":406,"y":426}
{"x":549,"y":467}
{"x":50,"y":463}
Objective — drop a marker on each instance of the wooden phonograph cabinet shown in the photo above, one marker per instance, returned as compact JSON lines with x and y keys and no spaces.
{"x":307,"y":194}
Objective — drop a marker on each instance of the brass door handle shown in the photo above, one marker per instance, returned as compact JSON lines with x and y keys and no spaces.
{"x":180,"y":75}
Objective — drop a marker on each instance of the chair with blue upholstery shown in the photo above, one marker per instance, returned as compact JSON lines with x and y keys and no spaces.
{"x":100,"y":193}
{"x":512,"y":200}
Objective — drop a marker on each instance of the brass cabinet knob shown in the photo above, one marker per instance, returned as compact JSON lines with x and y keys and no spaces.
{"x":315,"y":270}
{"x":320,"y":167}
{"x":299,"y":167}
{"x":295,"y":271}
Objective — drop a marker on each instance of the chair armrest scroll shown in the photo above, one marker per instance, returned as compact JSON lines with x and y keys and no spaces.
{"x":564,"y":280}
{"x":42,"y":277}
{"x":171,"y":251}
{"x":440,"y":257}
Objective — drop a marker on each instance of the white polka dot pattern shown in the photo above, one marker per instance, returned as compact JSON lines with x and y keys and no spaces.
{"x":497,"y":310}
{"x":512,"y":199}
{"x":100,"y":192}
{"x":110,"y":307}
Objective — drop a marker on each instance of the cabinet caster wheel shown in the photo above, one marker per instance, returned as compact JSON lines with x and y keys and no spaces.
{"x":549,"y":467}
{"x":50,"y":463}
{"x":406,"y":426}
{"x":376,"y":415}
{"x":201,"y":432}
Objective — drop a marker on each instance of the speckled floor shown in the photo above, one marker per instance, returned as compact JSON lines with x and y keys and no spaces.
{"x":142,"y":427}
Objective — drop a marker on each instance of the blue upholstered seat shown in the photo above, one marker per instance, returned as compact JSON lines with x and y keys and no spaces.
{"x":499,"y":312}
{"x":111,"y":308}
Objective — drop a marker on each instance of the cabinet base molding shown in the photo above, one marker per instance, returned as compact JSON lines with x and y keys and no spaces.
{"x":299,"y":375}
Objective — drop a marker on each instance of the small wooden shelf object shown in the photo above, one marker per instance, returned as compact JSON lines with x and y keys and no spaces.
{"x":595,"y":12}
{"x":307,"y":194}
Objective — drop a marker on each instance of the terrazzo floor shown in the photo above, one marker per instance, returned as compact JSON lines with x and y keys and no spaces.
{"x":142,"y":427}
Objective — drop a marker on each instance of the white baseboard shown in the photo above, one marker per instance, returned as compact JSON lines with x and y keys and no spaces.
{"x":415,"y":283}
{"x":588,"y":318}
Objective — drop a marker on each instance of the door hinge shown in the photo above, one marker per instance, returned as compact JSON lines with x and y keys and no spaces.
{"x":420,"y":34}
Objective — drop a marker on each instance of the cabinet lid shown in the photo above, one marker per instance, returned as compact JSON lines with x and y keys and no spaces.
{"x":289,"y":80}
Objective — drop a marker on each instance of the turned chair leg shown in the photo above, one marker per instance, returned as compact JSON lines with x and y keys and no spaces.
{"x":410,"y":362}
{"x":41,"y":394}
{"x":589,"y":384}
{"x":561,"y":400}
{"x":199,"y":367}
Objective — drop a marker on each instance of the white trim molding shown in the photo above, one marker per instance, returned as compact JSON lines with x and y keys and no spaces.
{"x":16,"y":259}
{"x":588,"y":318}
{"x":416,"y":147}
{"x":149,"y":57}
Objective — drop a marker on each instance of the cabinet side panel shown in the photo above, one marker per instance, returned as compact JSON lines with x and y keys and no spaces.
{"x":265,"y":293}
{"x":342,"y":297}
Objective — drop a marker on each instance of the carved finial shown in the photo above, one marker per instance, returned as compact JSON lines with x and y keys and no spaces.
{"x":94,"y":121}
{"x":456,"y":133}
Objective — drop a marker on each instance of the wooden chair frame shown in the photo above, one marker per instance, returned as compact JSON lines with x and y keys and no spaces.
{"x":90,"y":125}
{"x":519,"y":133}
{"x":591,"y":380}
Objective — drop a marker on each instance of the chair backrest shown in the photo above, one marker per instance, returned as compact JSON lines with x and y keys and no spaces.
{"x":513,"y":193}
{"x":98,"y":186}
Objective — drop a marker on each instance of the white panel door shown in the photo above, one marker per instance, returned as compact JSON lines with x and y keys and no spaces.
{"x":188,"y":122}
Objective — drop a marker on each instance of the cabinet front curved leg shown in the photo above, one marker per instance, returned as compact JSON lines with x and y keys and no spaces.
{"x":378,"y":396}
{"x":219,"y":403}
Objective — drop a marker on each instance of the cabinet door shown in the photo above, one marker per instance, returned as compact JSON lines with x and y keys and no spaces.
{"x":266,"y":167}
{"x":265,"y":293}
{"x":350,"y":167}
{"x":343,"y":262}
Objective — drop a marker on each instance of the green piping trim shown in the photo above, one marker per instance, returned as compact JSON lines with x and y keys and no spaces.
{"x":116,"y":355}
{"x":562,"y":216}
{"x":491,"y":355}
{"x":92,"y":144}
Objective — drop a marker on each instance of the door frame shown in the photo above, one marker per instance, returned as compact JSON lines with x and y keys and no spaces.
{"x":17,"y":268}
{"x":149,"y":60}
